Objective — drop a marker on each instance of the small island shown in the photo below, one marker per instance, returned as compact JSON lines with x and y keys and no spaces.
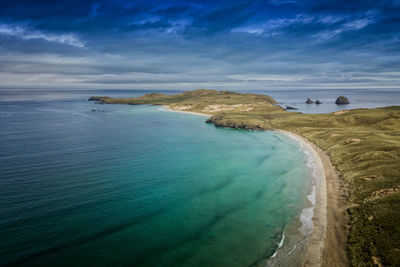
{"x":309,"y":101}
{"x":363,"y":200}
{"x":342,"y":100}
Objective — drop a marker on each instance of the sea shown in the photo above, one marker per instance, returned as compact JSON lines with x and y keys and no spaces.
{"x":83,"y":184}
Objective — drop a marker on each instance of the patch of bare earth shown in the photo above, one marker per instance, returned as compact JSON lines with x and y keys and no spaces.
{"x":377,"y":261}
{"x":370,"y":178}
{"x":383,"y":193}
{"x":216,"y":108}
{"x":341,"y":112}
{"x":182,"y":108}
{"x":351,"y":140}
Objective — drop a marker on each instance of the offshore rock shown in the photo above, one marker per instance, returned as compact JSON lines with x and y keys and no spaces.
{"x":309,"y":101}
{"x":341,"y":100}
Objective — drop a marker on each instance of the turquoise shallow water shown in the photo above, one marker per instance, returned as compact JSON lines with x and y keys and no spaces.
{"x":137,"y":185}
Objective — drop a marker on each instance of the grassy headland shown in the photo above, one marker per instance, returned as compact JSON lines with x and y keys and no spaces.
{"x":363,"y":145}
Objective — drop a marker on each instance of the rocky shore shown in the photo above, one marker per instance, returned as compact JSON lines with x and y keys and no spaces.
{"x":234,"y":124}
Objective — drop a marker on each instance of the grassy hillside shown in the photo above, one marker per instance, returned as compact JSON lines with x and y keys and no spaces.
{"x":202,"y":100}
{"x":363,"y":144}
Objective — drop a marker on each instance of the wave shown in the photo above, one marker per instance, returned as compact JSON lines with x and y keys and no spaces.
{"x":280,"y":244}
{"x":306,"y":214}
{"x":290,"y":252}
{"x":283,"y":239}
{"x":306,"y":221}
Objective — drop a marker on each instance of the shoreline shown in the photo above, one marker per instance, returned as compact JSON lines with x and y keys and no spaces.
{"x":314,"y":247}
{"x":326,"y":245}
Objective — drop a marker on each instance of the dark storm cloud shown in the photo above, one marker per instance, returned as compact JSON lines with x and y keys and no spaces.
{"x":192,"y":44}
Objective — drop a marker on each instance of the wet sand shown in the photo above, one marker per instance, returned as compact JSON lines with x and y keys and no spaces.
{"x":326,"y":246}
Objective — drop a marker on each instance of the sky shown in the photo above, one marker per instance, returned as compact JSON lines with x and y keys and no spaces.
{"x":246,"y":45}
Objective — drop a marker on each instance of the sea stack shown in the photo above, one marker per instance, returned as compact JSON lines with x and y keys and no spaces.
{"x":318,"y":102}
{"x":309,"y":101}
{"x":341,"y":100}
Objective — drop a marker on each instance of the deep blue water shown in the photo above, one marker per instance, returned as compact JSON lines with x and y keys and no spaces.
{"x":138,"y":185}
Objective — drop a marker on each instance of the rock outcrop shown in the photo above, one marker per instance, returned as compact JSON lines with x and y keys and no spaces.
{"x":318,"y":102}
{"x":234,"y":124}
{"x":309,"y":101}
{"x":289,"y":107}
{"x":98,"y":98}
{"x":341,"y":100}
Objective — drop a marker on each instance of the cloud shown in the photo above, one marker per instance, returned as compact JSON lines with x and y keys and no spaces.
{"x":353,"y":25}
{"x":322,"y":27}
{"x":181,"y":44}
{"x":17,"y":31}
{"x":274,"y":26}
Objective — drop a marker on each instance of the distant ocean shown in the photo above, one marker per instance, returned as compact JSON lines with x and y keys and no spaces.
{"x":139,"y":185}
{"x":359,"y":98}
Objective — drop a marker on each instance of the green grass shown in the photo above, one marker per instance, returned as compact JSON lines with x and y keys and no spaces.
{"x":363,"y":144}
{"x":198,"y":99}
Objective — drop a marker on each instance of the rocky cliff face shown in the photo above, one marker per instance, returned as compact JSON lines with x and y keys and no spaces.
{"x":234,"y":124}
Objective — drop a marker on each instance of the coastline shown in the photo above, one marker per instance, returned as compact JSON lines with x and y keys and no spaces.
{"x":326,"y":245}
{"x":315,"y":244}
{"x":362,"y":143}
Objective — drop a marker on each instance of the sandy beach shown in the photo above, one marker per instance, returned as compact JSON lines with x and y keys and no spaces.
{"x":326,"y":246}
{"x":190,"y":112}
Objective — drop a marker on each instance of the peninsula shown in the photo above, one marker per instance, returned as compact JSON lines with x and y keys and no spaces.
{"x":362,"y":145}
